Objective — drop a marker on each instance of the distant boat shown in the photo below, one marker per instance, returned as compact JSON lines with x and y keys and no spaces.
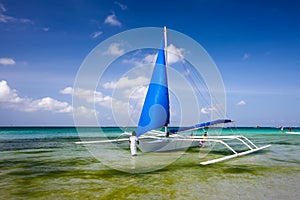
{"x":291,"y":132}
{"x":156,"y":115}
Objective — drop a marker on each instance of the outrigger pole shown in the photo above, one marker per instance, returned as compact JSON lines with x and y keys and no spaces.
{"x":250,"y":145}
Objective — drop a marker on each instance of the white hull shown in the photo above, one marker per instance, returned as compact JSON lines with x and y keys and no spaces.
{"x":296,"y":133}
{"x":165,"y":144}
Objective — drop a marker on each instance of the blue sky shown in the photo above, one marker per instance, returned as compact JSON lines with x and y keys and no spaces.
{"x":255,"y":45}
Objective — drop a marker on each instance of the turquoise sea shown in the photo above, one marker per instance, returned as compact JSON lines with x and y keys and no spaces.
{"x":45,"y":163}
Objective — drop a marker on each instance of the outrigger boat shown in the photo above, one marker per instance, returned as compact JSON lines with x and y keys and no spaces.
{"x":291,"y":132}
{"x":156,"y":115}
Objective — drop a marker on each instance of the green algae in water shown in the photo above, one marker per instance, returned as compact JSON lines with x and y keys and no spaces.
{"x":55,"y":168}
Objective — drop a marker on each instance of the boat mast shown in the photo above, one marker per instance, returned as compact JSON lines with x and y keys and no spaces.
{"x":166,"y":60}
{"x":165,"y":46}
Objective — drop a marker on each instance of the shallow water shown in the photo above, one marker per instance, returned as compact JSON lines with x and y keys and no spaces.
{"x":44,"y":163}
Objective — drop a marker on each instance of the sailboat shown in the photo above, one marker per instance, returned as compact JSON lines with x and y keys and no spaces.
{"x":155,"y":115}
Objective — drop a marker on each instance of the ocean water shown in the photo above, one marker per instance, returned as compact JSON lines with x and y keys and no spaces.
{"x":45,"y":163}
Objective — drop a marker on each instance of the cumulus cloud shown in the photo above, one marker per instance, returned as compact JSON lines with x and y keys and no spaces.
{"x":67,"y":90}
{"x":125,"y":82}
{"x":174,"y":54}
{"x":115,"y":49}
{"x":89,"y":96}
{"x":7,"y":61}
{"x":85,"y":112}
{"x":112,"y":20}
{"x":9,"y":98}
{"x":139,"y":94}
{"x":48,"y":104}
{"x":241,"y":103}
{"x":134,"y":88}
{"x":7,"y":94}
{"x":147,"y":59}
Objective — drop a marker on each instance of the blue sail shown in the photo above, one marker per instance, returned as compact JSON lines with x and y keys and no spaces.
{"x":155,"y":113}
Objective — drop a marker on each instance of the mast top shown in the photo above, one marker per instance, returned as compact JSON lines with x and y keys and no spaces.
{"x":165,"y":38}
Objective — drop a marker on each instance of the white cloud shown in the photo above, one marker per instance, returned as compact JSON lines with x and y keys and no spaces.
{"x":246,"y":56}
{"x":89,"y":96}
{"x":114,"y":49}
{"x":67,"y":90}
{"x":92,"y":98}
{"x":85,"y":112}
{"x":137,"y":97}
{"x":7,"y":94}
{"x":148,"y":59}
{"x":96,"y":34}
{"x":125,"y":82}
{"x":207,"y":110}
{"x":241,"y":103}
{"x":112,"y":20}
{"x":174,"y":54}
{"x":9,"y":98}
{"x":46,"y":29}
{"x":204,"y":111}
{"x":48,"y":104}
{"x":7,"y":61}
{"x":122,"y":6}
{"x":139,"y":93}
{"x":10,"y":19}
{"x":2,"y":8}
{"x":5,"y":18}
